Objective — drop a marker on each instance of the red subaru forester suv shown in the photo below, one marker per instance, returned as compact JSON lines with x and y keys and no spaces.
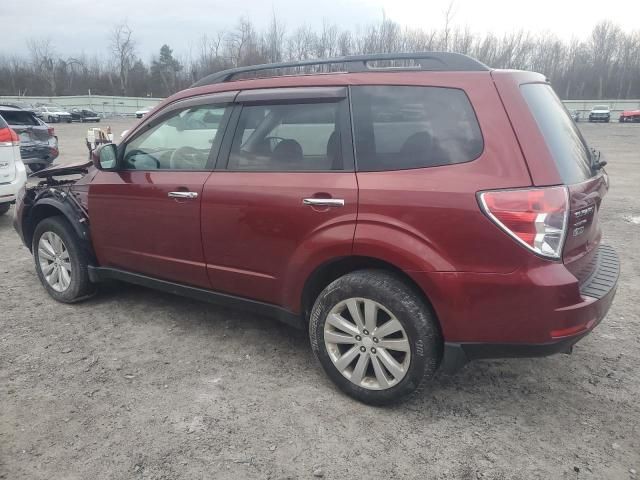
{"x":413,"y":211}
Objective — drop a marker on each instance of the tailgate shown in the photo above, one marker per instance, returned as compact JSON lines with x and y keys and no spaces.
{"x":584,"y":233}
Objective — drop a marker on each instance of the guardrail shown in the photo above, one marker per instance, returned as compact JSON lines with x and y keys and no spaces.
{"x":102,"y":104}
{"x":127,"y":106}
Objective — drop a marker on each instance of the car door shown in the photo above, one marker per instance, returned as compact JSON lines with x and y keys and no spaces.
{"x":283,"y":198}
{"x":145,"y":216}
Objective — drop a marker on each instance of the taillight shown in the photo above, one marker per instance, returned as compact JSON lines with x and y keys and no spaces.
{"x":9,"y":136}
{"x":51,"y":131}
{"x":535,"y":217}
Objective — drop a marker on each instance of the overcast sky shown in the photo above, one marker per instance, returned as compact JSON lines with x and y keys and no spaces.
{"x":77,"y":26}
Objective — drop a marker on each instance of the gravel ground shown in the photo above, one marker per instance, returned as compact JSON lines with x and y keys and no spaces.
{"x":139,"y":384}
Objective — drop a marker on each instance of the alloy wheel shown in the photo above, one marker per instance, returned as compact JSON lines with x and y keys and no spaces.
{"x":55,"y":263}
{"x":367,"y":343}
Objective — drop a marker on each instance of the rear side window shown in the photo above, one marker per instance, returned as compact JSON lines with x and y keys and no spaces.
{"x":399,"y":128}
{"x":17,"y":117}
{"x":287,"y":137}
{"x":566,"y":143}
{"x":3,"y":124}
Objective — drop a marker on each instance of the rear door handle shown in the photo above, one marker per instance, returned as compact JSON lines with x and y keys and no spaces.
{"x":323,"y":202}
{"x":182,"y":194}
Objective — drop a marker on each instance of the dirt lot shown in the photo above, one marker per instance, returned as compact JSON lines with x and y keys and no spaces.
{"x":139,"y":384}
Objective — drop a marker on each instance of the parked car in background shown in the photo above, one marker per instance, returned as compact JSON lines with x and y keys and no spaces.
{"x":408,"y":219}
{"x":54,"y":114}
{"x":38,"y":143}
{"x":12,"y":172}
{"x":575,"y":114}
{"x":24,"y":106}
{"x":629,"y":116}
{"x":84,"y":115}
{"x":142,"y":112}
{"x":600,"y":113}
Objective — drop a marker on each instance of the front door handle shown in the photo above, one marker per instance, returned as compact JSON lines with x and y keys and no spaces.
{"x":183,"y":194}
{"x":323,"y":202}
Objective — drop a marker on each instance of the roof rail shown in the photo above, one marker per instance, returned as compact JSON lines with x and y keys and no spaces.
{"x":429,"y":61}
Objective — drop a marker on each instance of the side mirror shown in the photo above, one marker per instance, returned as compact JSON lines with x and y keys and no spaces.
{"x":105,"y":157}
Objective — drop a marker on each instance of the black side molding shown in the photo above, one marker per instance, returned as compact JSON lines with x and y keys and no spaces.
{"x":97,"y":274}
{"x":457,"y":355}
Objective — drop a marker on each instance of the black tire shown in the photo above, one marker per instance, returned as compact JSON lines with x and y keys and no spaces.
{"x":410,"y":310}
{"x":4,"y":208}
{"x":80,"y":287}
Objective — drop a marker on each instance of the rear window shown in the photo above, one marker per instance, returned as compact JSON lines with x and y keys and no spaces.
{"x":567,"y":145}
{"x":17,"y":117}
{"x":398,"y":128}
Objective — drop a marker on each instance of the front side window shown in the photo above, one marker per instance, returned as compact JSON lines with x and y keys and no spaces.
{"x":181,"y":142}
{"x":287,"y":137}
{"x":398,"y":128}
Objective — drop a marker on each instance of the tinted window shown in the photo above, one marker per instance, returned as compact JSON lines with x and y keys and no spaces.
{"x":287,"y":138}
{"x":181,"y":142}
{"x":18,"y":117}
{"x":413,"y":127}
{"x":567,"y":146}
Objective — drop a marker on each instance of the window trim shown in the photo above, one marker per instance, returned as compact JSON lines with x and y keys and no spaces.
{"x":218,"y":100}
{"x":346,"y":141}
{"x":353,"y":133}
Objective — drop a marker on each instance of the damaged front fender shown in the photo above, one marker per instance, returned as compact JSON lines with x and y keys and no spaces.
{"x":53,"y":196}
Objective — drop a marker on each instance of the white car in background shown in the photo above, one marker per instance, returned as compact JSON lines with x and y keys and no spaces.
{"x":54,"y":114}
{"x":13,"y":174}
{"x":141,"y":113}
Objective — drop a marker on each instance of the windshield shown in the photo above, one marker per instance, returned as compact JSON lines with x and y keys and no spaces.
{"x":567,"y":145}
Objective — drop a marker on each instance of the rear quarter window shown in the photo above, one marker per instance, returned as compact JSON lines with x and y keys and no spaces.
{"x":565,"y":142}
{"x":3,"y":124}
{"x":398,"y":127}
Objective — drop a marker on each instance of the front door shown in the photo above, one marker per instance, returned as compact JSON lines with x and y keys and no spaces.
{"x":284,"y":195}
{"x":145,"y":216}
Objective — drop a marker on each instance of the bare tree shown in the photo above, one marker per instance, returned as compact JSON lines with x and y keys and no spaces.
{"x":606,"y":64}
{"x":449,"y":14}
{"x":123,"y":48}
{"x":44,"y":61}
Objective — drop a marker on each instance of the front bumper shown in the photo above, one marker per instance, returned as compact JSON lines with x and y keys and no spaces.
{"x":535,"y":311}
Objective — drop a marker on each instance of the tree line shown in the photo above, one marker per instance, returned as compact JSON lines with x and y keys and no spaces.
{"x":605,"y":64}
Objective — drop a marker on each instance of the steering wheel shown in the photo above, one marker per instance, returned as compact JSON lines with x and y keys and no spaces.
{"x":145,"y":156}
{"x":273,"y":142}
{"x":186,"y":158}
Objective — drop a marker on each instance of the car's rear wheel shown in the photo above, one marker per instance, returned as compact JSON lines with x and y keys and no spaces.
{"x":375,"y":336}
{"x":61,"y":262}
{"x":4,"y":208}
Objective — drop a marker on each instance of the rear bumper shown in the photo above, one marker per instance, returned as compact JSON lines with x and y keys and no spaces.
{"x":536,"y":311}
{"x":9,"y":191}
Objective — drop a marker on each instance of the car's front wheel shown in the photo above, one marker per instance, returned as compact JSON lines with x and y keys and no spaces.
{"x":375,"y":336}
{"x":4,"y":208}
{"x":61,"y":262}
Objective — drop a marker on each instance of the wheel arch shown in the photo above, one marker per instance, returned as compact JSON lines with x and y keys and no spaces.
{"x":333,"y":269}
{"x":51,"y":207}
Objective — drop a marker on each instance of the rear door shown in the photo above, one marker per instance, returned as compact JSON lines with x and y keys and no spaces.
{"x":145,"y":217}
{"x":284,"y":196}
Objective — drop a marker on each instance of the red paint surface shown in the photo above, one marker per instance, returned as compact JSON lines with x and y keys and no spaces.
{"x":249,"y":234}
